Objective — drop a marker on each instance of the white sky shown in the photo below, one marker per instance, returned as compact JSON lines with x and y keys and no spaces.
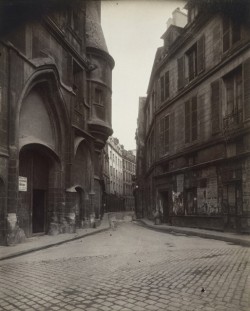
{"x":132,"y":29}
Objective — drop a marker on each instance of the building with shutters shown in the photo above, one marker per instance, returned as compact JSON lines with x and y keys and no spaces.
{"x":195,"y":128}
{"x":129,"y":163}
{"x":115,"y":200}
{"x":55,"y":116}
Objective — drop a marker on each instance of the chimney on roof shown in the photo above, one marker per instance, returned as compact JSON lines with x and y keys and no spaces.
{"x":178,"y":18}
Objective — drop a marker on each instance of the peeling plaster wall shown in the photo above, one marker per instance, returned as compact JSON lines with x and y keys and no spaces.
{"x":207,"y":197}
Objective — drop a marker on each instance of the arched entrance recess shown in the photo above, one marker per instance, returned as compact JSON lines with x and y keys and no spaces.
{"x":82,"y":174}
{"x":39,"y":164}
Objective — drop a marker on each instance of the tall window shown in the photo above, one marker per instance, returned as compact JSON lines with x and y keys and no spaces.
{"x":233,"y":84}
{"x":191,"y":121}
{"x":192,"y":63}
{"x":164,"y":135}
{"x":234,"y":92}
{"x":164,"y":86}
{"x":162,"y":89}
{"x":231,"y":32}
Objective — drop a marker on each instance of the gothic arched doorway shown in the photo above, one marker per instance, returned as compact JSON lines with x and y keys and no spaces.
{"x":35,"y":168}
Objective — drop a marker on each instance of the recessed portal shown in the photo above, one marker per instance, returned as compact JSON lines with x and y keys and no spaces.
{"x":38,"y":211}
{"x":35,"y":165}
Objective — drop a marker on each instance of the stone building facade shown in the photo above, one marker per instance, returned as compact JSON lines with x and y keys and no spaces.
{"x":129,"y":163}
{"x":115,"y":201}
{"x":55,"y":116}
{"x":196,"y":121}
{"x":139,"y":192}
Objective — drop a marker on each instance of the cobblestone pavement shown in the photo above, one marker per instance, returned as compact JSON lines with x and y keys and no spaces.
{"x":131,"y":268}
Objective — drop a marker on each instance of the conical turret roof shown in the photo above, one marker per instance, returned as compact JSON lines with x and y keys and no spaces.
{"x":94,"y":34}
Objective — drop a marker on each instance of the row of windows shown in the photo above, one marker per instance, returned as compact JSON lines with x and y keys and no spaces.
{"x":232,"y":87}
{"x":114,"y":186}
{"x":115,"y":173}
{"x":115,"y":159}
{"x":127,"y":177}
{"x":129,"y":166}
{"x":192,"y":62}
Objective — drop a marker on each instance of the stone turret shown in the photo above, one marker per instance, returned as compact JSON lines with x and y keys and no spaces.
{"x":99,"y":79}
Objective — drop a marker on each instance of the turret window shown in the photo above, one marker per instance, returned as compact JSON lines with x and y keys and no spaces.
{"x":98,"y":97}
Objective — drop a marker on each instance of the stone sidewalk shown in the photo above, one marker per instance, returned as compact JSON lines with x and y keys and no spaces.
{"x":42,"y":242}
{"x":235,"y":238}
{"x":45,"y":241}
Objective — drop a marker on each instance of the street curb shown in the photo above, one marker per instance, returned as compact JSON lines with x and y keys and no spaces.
{"x":52,"y":245}
{"x":206,"y":235}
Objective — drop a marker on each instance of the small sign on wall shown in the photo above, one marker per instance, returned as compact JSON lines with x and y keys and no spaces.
{"x":22,"y":185}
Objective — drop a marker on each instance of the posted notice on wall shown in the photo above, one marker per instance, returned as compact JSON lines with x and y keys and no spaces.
{"x":22,"y":185}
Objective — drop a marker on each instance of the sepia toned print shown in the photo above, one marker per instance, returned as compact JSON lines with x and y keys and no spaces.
{"x":124,"y":163}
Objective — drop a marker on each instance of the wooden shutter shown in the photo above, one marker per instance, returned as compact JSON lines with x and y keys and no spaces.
{"x":161,"y":132}
{"x":236,"y":30}
{"x":172,"y":130}
{"x":246,"y":84}
{"x":194,"y":118}
{"x":181,"y":77}
{"x":166,"y":84}
{"x":216,"y":43}
{"x":215,"y":106}
{"x":187,"y":121}
{"x":162,"y":88}
{"x":201,"y":54}
{"x":166,"y":134}
{"x":158,"y":93}
{"x":226,"y":33}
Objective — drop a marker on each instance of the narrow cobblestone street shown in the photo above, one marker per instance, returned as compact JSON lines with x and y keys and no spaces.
{"x":130,"y":268}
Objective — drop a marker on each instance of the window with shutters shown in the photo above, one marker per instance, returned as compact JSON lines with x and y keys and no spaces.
{"x":166,"y":84}
{"x":191,"y":121}
{"x":231,"y":32}
{"x":215,"y":106}
{"x":192,"y":63}
{"x":191,"y":57}
{"x":162,"y":89}
{"x":195,"y":59}
{"x":164,"y":135}
{"x":233,"y":97}
{"x":164,"y":81}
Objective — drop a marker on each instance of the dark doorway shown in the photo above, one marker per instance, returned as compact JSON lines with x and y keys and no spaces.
{"x":165,"y":206}
{"x":34,"y":164}
{"x":38,"y":211}
{"x":80,"y":213}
